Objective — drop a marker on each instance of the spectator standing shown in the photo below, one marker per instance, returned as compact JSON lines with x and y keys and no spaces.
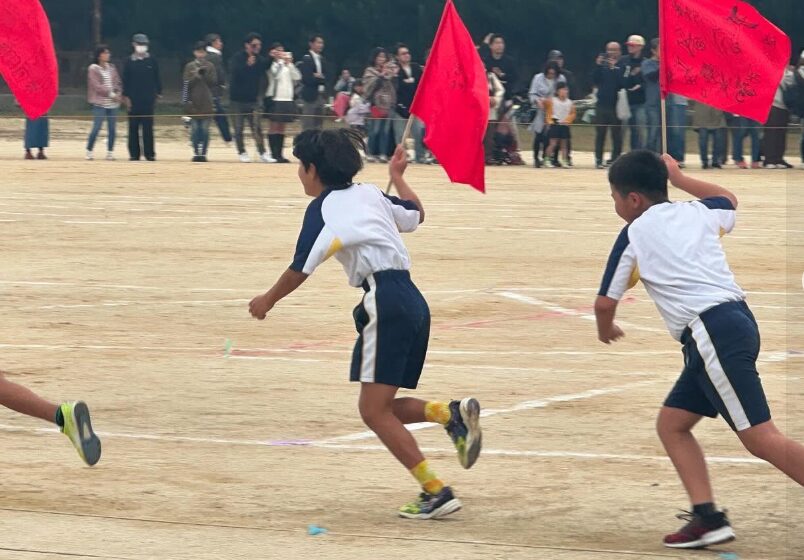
{"x":653,"y":99}
{"x":496,"y":99}
{"x":104,"y":90}
{"x":504,"y":67}
{"x":608,"y":79}
{"x":560,"y":115}
{"x":282,"y":78}
{"x":798,"y":78}
{"x":379,"y":80}
{"x":142,"y":86}
{"x":708,"y":121}
{"x":359,"y":109}
{"x":407,"y":83}
{"x":37,"y":136}
{"x":215,"y":56}
{"x":677,"y":127}
{"x":774,"y":142}
{"x":200,"y":78}
{"x":634,"y":83}
{"x":569,"y":78}
{"x":247,"y":71}
{"x":742,"y":127}
{"x":542,"y":88}
{"x":314,"y":90}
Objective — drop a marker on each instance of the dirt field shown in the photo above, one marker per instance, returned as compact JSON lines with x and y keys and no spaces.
{"x":126,"y":285}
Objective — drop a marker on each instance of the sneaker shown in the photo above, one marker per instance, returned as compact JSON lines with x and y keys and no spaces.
{"x":769,"y":165}
{"x":464,"y":430}
{"x":197,"y":159}
{"x":609,"y":162}
{"x":700,"y":532}
{"x":371,"y":159}
{"x":383,"y":159}
{"x":265,"y":158}
{"x":537,"y":163}
{"x":244,"y":158}
{"x":599,"y":165}
{"x":756,"y":165}
{"x":569,"y":163}
{"x":704,"y":165}
{"x":784,"y":165}
{"x":741,"y":165}
{"x":556,"y":164}
{"x":90,"y":155}
{"x":110,"y":156}
{"x":41,"y":155}
{"x":717,"y":165}
{"x":78,"y":427}
{"x":29,"y":155}
{"x":431,"y":506}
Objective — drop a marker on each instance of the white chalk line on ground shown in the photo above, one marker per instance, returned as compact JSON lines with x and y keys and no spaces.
{"x":301,"y":444}
{"x":523,"y":406}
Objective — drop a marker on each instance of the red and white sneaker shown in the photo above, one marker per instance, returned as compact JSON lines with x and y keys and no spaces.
{"x":700,"y":532}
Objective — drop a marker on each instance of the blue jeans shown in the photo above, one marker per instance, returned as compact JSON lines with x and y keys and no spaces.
{"x":676,"y":131}
{"x":417,"y":130}
{"x":638,"y":123}
{"x":378,"y":135}
{"x":199,"y":135}
{"x":221,"y":120}
{"x":654,"y":120}
{"x":745,"y":127}
{"x":100,"y":114}
{"x":703,"y":144}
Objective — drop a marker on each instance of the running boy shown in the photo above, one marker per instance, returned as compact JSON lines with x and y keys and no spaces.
{"x":72,"y":418}
{"x":360,"y":226}
{"x":674,"y":247}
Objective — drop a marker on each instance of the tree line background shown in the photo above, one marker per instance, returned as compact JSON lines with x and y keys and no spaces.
{"x":579,"y":28}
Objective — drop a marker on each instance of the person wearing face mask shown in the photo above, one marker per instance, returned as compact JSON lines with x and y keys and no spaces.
{"x":141,"y":88}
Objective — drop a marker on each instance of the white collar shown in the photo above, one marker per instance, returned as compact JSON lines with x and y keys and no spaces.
{"x":213,"y":50}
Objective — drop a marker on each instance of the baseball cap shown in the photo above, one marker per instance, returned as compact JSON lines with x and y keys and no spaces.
{"x":554,"y":54}
{"x":140,"y":39}
{"x":636,"y":40}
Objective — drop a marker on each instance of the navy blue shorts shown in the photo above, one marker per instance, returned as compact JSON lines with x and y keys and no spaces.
{"x":393,"y":323}
{"x":720,"y":375}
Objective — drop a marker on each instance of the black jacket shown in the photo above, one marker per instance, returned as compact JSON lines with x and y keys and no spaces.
{"x":509,"y":76}
{"x":310,"y":84}
{"x":628,"y":63}
{"x":141,"y":82}
{"x":406,"y":90}
{"x":608,"y":81}
{"x":247,"y":83}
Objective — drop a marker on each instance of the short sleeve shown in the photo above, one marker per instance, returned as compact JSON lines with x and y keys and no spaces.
{"x":406,"y":213}
{"x":621,"y":268}
{"x":722,"y":211}
{"x":316,"y":241}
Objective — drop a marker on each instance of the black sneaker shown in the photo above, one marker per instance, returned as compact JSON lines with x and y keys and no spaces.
{"x":431,"y":506}
{"x":464,"y":430}
{"x":700,"y":532}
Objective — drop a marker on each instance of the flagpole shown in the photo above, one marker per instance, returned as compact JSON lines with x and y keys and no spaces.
{"x":664,"y":126}
{"x":405,"y":136}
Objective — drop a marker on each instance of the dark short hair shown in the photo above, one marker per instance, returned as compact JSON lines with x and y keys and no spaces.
{"x":375,"y":52}
{"x":552,"y":65}
{"x":200,"y":46}
{"x":99,"y":50}
{"x":561,"y":85}
{"x":211,"y":38}
{"x":315,"y":36}
{"x":654,"y":43}
{"x":276,"y":45}
{"x":335,"y":154}
{"x":494,"y":37}
{"x":640,"y":171}
{"x":251,"y":36}
{"x":400,"y":46}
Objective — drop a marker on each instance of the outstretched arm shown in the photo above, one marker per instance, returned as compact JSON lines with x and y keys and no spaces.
{"x":285,"y":285}
{"x":397,"y":168}
{"x":695,"y":187}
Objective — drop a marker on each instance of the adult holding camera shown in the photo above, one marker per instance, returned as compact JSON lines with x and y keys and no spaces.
{"x":247,"y":70}
{"x":279,"y":104}
{"x":608,"y":79}
{"x":379,"y":80}
{"x":200,"y":78}
{"x":635,"y":86}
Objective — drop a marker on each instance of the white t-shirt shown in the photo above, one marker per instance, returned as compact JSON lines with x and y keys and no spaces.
{"x":360,"y":225}
{"x":675,"y":249}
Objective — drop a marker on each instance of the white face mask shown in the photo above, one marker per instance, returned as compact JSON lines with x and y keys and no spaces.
{"x":140,"y":49}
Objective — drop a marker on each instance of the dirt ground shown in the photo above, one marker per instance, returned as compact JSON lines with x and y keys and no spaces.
{"x":126,"y":285}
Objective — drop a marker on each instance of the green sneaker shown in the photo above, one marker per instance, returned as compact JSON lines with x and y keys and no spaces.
{"x":464,"y":429}
{"x":78,"y":427}
{"x":431,"y":506}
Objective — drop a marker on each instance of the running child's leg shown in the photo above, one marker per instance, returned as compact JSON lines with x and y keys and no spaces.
{"x":377,"y":411}
{"x":23,"y":400}
{"x":768,"y":443}
{"x":674,"y":427}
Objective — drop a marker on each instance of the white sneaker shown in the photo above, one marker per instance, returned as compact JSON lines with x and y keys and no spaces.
{"x":383,"y":159}
{"x":90,"y":155}
{"x":109,"y":156}
{"x":265,"y":158}
{"x":371,"y":159}
{"x":245,"y":158}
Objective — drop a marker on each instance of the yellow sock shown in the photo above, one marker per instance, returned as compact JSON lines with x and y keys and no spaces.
{"x":438,"y":412}
{"x":427,"y":478}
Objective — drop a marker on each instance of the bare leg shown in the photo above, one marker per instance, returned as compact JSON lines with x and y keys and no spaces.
{"x":377,"y":410}
{"x":23,"y":400}
{"x":550,"y":149}
{"x":409,"y":410}
{"x":768,"y":443}
{"x":674,"y":426}
{"x":565,"y":149}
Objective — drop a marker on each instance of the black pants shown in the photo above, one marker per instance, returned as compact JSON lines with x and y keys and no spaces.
{"x":606,"y":117}
{"x":136,"y":120}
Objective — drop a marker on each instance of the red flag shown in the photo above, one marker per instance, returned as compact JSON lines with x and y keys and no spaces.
{"x":27,"y":57}
{"x":722,"y":53}
{"x":453,"y":102}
